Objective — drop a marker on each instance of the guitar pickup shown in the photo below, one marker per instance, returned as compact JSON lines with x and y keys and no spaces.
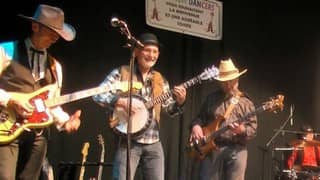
{"x":39,"y":105}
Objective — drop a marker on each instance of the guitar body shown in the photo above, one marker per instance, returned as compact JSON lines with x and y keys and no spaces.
{"x":200,"y":150}
{"x":12,"y":125}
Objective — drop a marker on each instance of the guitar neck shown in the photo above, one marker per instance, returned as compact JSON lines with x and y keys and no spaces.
{"x":82,"y":169}
{"x":101,"y":165}
{"x":81,"y":173}
{"x":74,"y":96}
{"x":164,"y":96}
{"x":244,"y":118}
{"x":84,"y":158}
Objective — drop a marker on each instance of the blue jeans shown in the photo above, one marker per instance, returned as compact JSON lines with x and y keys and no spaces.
{"x":227,"y":163}
{"x":150,"y":157}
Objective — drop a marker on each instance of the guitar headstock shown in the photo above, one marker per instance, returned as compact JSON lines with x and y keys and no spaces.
{"x":85,"y":148}
{"x":100,"y":139}
{"x":275,"y":103}
{"x":209,"y":73}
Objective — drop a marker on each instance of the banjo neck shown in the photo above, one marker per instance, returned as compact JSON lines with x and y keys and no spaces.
{"x":164,"y":96}
{"x":142,"y":117}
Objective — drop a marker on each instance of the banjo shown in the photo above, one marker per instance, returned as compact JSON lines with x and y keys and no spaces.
{"x":141,"y":119}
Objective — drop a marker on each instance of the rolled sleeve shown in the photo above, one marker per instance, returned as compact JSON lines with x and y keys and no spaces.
{"x":110,"y":97}
{"x":4,"y":97}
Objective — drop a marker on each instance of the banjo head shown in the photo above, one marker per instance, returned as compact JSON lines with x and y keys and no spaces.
{"x":140,"y":118}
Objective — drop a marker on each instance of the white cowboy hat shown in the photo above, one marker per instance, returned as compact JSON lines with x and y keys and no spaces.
{"x":227,"y":71}
{"x":53,"y":18}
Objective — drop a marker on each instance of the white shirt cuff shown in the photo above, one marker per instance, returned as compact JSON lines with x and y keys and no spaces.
{"x":60,"y":117}
{"x":4,"y":97}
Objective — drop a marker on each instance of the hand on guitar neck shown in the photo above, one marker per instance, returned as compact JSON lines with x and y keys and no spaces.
{"x":237,"y":128}
{"x":179,"y":93}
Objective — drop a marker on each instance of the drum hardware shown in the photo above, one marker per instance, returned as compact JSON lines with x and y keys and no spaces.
{"x":293,"y":132}
{"x":287,"y":148}
{"x":293,"y":174}
{"x":302,"y":143}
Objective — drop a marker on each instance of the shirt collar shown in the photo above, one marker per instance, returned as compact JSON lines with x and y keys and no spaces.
{"x":29,"y":44}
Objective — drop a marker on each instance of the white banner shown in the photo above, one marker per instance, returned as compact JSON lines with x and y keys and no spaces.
{"x":201,"y":18}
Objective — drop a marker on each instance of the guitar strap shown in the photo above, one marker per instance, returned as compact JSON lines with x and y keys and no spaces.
{"x":234,"y":100}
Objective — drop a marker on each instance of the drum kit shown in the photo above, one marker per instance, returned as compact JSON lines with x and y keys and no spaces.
{"x":298,"y":172}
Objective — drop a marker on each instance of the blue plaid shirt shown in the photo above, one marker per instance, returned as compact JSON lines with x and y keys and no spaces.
{"x":151,"y":135}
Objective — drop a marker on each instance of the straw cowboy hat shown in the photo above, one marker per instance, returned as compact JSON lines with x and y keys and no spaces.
{"x":53,"y":18}
{"x":227,"y":71}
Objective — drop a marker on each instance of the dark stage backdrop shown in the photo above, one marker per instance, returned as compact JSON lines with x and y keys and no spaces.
{"x":277,"y":41}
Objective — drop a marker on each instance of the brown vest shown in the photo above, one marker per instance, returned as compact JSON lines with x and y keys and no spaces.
{"x":157,"y":85}
{"x":18,"y":76}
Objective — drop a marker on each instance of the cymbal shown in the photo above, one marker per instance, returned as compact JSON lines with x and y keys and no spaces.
{"x":302,"y":143}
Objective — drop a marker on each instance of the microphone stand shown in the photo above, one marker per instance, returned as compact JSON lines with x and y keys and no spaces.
{"x":266,"y":147}
{"x":132,"y":43}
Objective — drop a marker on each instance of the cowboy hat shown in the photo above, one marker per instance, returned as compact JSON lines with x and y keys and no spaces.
{"x":53,"y":18}
{"x":227,"y":71}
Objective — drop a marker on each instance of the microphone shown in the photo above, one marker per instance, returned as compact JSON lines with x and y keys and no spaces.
{"x":291,"y":114}
{"x":116,"y":22}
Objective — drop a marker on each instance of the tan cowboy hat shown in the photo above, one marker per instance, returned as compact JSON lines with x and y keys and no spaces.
{"x":53,"y":18}
{"x":227,"y":71}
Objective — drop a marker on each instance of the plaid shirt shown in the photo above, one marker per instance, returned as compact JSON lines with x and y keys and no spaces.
{"x":216,"y":104}
{"x":151,"y":135}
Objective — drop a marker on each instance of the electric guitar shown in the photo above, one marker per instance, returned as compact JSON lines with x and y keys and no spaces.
{"x":198,"y":149}
{"x":84,"y":153}
{"x":12,"y":125}
{"x":101,"y":142}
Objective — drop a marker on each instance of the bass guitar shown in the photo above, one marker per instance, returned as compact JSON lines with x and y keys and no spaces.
{"x":101,"y":142}
{"x":198,"y":149}
{"x":142,"y":118}
{"x":84,"y":153}
{"x":12,"y":125}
